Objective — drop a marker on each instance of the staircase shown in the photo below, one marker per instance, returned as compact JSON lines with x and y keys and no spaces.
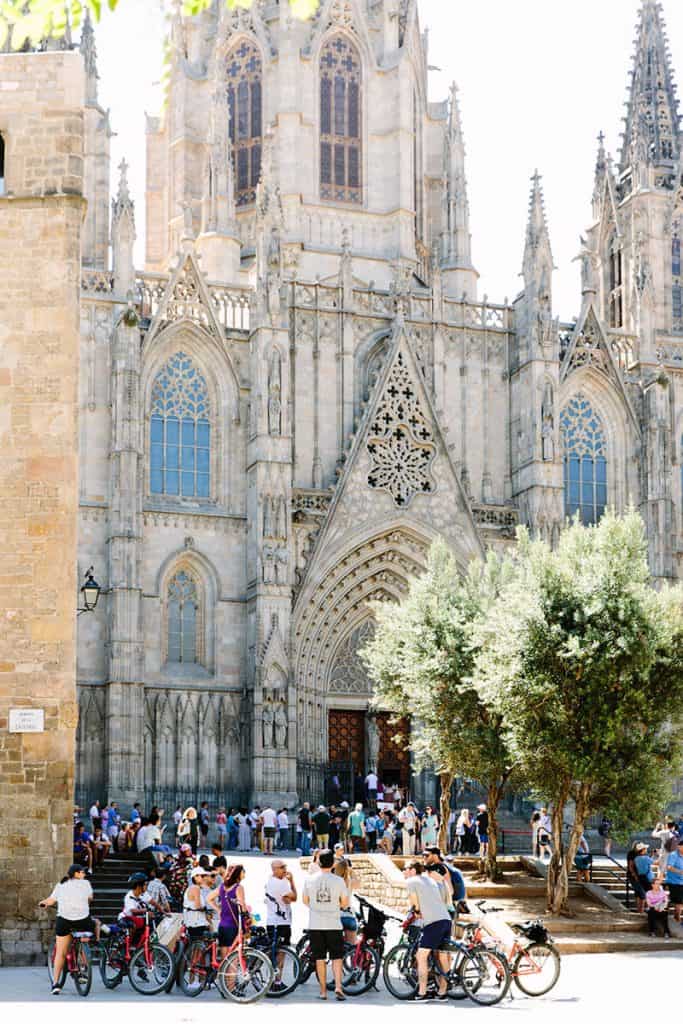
{"x":110,"y":881}
{"x":611,"y":876}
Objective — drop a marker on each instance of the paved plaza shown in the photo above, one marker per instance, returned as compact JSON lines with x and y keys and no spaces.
{"x":620,"y":985}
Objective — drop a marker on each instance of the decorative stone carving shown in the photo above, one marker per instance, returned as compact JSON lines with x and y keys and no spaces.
{"x":267,"y":725}
{"x":349,"y":674}
{"x":281,"y":725}
{"x":548,"y":424}
{"x":372,"y":742}
{"x":275,"y":393}
{"x":400,"y":441}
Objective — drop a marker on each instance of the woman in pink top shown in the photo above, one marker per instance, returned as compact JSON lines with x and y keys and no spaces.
{"x":657,"y":901}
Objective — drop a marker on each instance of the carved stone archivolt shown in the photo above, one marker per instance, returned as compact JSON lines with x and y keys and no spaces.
{"x":400,"y":440}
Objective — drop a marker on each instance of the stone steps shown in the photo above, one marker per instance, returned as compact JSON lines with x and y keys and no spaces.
{"x":614,"y":942}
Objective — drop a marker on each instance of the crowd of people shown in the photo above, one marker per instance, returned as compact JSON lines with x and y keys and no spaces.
{"x":395,"y":828}
{"x":655,"y":873}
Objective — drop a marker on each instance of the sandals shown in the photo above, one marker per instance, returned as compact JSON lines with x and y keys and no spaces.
{"x":340,"y":997}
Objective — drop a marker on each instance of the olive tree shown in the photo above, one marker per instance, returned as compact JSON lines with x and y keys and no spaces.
{"x":422,"y":658}
{"x":583,"y":660}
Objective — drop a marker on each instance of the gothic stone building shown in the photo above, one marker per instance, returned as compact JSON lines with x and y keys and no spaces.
{"x":301,"y":390}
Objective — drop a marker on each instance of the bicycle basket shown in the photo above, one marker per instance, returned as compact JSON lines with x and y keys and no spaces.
{"x":535,"y":931}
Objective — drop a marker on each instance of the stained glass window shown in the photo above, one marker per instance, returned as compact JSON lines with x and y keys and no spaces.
{"x":180,"y":437}
{"x":585,"y":460}
{"x":183,"y":604}
{"x":243,"y":71}
{"x":676,"y":279}
{"x":340,"y":121}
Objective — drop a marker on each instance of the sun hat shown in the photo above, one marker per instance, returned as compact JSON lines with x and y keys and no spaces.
{"x":199,"y":873}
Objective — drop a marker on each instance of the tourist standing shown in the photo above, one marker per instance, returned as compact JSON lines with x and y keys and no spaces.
{"x":95,"y":815}
{"x":280,"y":893}
{"x":428,"y":904}
{"x":356,"y":829}
{"x":483,"y":830}
{"x":408,"y":819}
{"x":326,"y":897}
{"x":222,"y":827}
{"x":231,"y":898}
{"x":321,"y":821}
{"x":268,"y":822}
{"x":283,"y":829}
{"x":605,"y":833}
{"x":371,"y":787}
{"x":304,"y":819}
{"x":243,"y":831}
{"x":204,"y":820}
{"x":430,"y":828}
{"x":674,"y":879}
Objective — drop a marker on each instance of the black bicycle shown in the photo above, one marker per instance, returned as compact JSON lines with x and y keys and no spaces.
{"x":285,"y":961}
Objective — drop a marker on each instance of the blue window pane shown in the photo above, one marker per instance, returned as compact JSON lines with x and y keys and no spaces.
{"x":157,"y":481}
{"x":601,"y":471}
{"x":601,"y":495}
{"x":202,"y":485}
{"x":172,"y":482}
{"x":188,"y":432}
{"x":188,"y":484}
{"x":587,"y":492}
{"x":157,"y":428}
{"x":157,"y":458}
{"x":203,"y":460}
{"x":172,"y":431}
{"x":171,"y":457}
{"x":574,"y":492}
{"x":585,"y":464}
{"x":203,"y":433}
{"x":188,"y":459}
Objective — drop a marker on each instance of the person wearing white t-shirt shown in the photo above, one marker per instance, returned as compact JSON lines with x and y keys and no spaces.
{"x":280,"y":893}
{"x":148,"y":835}
{"x":268,"y":819}
{"x":283,"y":829}
{"x":72,"y":897}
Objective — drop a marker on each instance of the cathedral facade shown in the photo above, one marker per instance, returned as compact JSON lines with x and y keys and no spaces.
{"x":301,"y":390}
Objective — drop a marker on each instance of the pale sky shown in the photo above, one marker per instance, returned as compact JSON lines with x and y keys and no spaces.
{"x":538,"y":80}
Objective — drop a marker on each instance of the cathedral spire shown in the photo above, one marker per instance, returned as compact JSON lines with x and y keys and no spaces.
{"x":123,"y":234}
{"x":652,"y":133}
{"x":538,"y":257}
{"x":456,"y":241}
{"x":89,"y":54}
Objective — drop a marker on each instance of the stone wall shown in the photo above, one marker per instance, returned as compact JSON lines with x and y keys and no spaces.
{"x":41,"y":101}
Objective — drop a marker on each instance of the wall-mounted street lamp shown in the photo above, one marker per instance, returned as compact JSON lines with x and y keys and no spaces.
{"x":90,"y":591}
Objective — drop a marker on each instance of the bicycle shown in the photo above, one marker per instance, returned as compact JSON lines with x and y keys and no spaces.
{"x":362,"y":961}
{"x":244,"y":975}
{"x":149,"y":965}
{"x":481,"y":974}
{"x":534,"y":966}
{"x":286,"y":963}
{"x":78,"y":963}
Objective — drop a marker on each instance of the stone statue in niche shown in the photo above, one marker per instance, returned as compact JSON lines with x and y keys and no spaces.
{"x":269,"y":570}
{"x":281,"y":556}
{"x":274,"y":518}
{"x":268,"y":520}
{"x":275,"y":394}
{"x":372,"y":741}
{"x":282,"y":518}
{"x":267,"y":724}
{"x":548,"y":425}
{"x":281,"y":726}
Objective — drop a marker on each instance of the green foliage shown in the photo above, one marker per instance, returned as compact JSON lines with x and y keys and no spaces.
{"x":422,"y":658}
{"x":33,"y":20}
{"x":584,"y":662}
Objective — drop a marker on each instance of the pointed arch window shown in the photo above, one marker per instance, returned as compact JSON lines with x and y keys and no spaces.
{"x":676,"y":278}
{"x":585,"y":460}
{"x":180,"y":433}
{"x":183,"y":615}
{"x":244,"y":72}
{"x":340,"y":121}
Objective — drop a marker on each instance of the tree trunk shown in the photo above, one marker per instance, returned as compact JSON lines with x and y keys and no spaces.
{"x":491,"y":870}
{"x":446,"y":780}
{"x":557,"y":890}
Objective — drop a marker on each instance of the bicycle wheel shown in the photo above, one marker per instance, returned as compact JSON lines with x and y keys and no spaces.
{"x":112,"y":963}
{"x":245,"y":975}
{"x":400,"y":972}
{"x":455,"y":989}
{"x":194,"y":968}
{"x":360,"y":968}
{"x":536,"y":969}
{"x":303,"y":951}
{"x":287,"y":972}
{"x":149,"y":976}
{"x":82,"y":973}
{"x":485,"y":976}
{"x":51,"y":963}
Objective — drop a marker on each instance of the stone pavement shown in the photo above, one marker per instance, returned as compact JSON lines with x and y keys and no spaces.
{"x":615,"y":987}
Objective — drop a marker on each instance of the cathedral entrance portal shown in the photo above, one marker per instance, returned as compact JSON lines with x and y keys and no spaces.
{"x":350,"y":741}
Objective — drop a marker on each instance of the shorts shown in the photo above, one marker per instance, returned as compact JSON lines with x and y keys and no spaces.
{"x":268,"y":833}
{"x":227,"y":934}
{"x":435,"y":934}
{"x":675,"y":892}
{"x":66,"y":927}
{"x":326,"y":943}
{"x":645,"y":883}
{"x":323,"y":840}
{"x":349,"y":923}
{"x":483,"y":838}
{"x":283,"y":933}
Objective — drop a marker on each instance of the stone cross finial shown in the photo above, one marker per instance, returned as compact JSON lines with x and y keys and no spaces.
{"x":123,"y":193}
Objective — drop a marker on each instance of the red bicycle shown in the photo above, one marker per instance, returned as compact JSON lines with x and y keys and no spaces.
{"x":244,"y":975}
{"x":78,"y":963}
{"x":135,"y":950}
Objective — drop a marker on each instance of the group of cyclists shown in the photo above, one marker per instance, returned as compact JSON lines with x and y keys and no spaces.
{"x":192,"y":926}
